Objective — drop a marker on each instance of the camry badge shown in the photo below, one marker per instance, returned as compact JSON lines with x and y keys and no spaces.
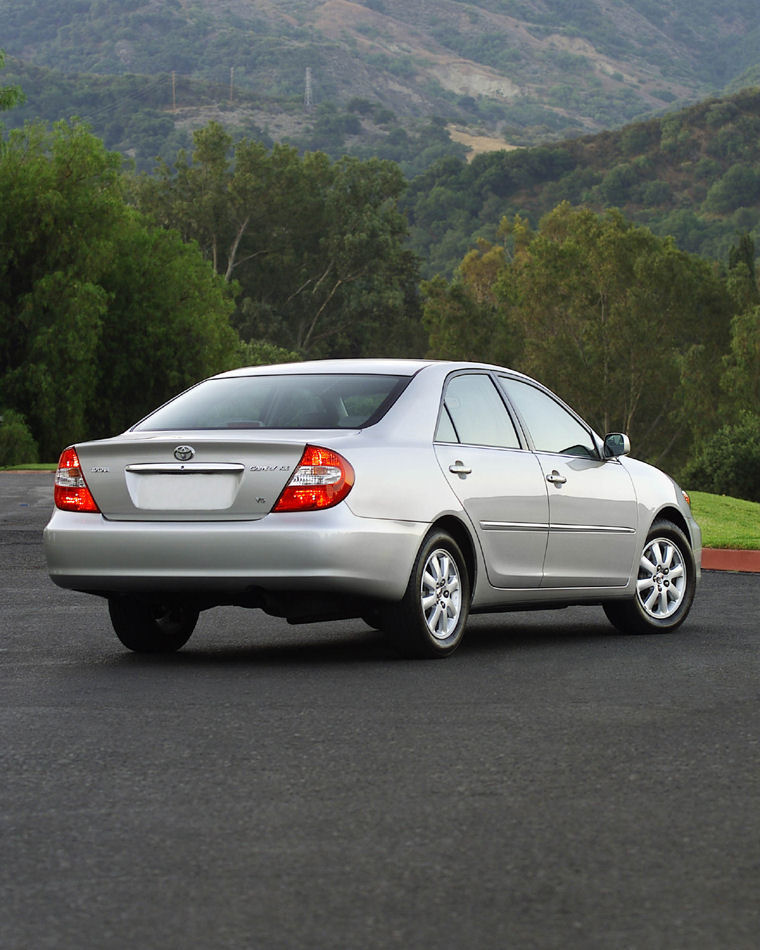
{"x":183,"y":453}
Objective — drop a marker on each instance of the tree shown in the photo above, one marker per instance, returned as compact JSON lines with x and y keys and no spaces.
{"x":10,"y":96}
{"x":741,"y":365}
{"x":740,"y":186}
{"x":607,"y":312}
{"x":166,"y":326}
{"x":742,"y":276}
{"x":316,"y":249}
{"x":464,"y":319}
{"x":101,"y":315}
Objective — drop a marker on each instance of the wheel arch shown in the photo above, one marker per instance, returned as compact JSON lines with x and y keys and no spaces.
{"x":673,"y":515}
{"x":459,"y":532}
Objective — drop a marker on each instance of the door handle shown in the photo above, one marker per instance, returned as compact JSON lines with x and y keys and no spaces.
{"x":459,"y":468}
{"x":555,"y":478}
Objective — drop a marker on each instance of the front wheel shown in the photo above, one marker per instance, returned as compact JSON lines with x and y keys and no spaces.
{"x":665,"y":584}
{"x":147,"y":626}
{"x":430,"y":620}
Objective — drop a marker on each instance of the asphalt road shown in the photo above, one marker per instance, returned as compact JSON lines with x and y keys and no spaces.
{"x":552,"y":785}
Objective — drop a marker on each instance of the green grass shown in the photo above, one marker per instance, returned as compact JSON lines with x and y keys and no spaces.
{"x":727,"y":522}
{"x":31,"y":467}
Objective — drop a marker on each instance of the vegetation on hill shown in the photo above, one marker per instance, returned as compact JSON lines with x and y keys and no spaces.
{"x":523,"y":71}
{"x":693,"y":174}
{"x":236,"y":251}
{"x":149,"y":117}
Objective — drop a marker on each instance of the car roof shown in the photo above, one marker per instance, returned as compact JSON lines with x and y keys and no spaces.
{"x":384,"y":366}
{"x":395,"y":367}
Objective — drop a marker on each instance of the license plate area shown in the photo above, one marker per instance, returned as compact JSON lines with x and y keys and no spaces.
{"x":184,"y":487}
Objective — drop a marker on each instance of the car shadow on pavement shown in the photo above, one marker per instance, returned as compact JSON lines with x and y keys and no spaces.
{"x":353,"y":643}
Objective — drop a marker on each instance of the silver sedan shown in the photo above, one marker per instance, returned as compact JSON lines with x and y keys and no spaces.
{"x":407,"y":493}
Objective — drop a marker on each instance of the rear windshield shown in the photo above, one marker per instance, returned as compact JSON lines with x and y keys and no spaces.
{"x":279,"y":402}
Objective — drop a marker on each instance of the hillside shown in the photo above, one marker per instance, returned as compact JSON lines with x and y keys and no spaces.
{"x":429,"y":85}
{"x":517,"y":71}
{"x":693,"y":174}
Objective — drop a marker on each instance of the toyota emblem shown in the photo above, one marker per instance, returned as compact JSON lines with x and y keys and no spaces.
{"x":183,"y":453}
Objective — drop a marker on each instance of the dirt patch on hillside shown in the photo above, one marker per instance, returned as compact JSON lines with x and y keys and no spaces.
{"x":478,"y":144}
{"x":376,"y":33}
{"x":470,"y":79}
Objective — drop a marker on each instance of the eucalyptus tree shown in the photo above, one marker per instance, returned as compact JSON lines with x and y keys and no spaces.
{"x":314,"y":248}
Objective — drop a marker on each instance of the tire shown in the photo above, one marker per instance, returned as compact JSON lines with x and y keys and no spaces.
{"x":665,"y":585}
{"x":151,"y":626}
{"x":429,"y":621}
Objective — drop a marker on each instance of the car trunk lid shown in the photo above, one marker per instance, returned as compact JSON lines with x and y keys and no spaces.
{"x":188,"y":477}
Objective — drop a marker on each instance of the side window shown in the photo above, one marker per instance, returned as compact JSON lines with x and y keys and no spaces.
{"x":445,"y":431}
{"x":474,"y":411}
{"x":551,"y":426}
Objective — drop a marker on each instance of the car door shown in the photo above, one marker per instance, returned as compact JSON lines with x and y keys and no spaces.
{"x":497,"y":480}
{"x":592,"y":504}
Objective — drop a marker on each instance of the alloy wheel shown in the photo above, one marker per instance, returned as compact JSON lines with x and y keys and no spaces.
{"x":662,"y":581}
{"x":441,"y":594}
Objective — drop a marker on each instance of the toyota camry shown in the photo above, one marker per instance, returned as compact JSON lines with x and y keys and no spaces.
{"x":409,"y":494}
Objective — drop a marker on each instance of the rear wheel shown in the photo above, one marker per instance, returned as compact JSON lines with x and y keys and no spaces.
{"x":665,"y":585}
{"x":429,"y":622}
{"x":147,"y":626}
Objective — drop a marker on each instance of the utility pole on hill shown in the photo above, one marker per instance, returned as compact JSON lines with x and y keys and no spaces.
{"x":307,"y":98}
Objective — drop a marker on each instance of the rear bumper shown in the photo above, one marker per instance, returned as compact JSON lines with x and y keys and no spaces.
{"x":331,"y":551}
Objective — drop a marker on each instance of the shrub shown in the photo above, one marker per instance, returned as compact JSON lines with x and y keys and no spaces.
{"x":740,"y":186}
{"x":729,"y":462}
{"x":17,"y":445}
{"x":656,"y":193}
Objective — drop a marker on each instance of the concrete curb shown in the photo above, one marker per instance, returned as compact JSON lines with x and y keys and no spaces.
{"x":714,"y":559}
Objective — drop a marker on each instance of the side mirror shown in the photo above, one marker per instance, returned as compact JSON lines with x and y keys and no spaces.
{"x":616,"y":444}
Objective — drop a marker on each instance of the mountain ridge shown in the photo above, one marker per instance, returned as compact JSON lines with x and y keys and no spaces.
{"x":527,"y":70}
{"x":689,"y":170}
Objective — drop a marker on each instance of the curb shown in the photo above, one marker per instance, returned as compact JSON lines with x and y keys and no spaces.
{"x":714,"y":559}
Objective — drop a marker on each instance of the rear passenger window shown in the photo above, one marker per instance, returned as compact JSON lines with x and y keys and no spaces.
{"x":474,"y":413}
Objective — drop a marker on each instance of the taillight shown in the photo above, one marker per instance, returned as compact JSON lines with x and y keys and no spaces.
{"x":71,"y":491}
{"x":321,"y":479}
